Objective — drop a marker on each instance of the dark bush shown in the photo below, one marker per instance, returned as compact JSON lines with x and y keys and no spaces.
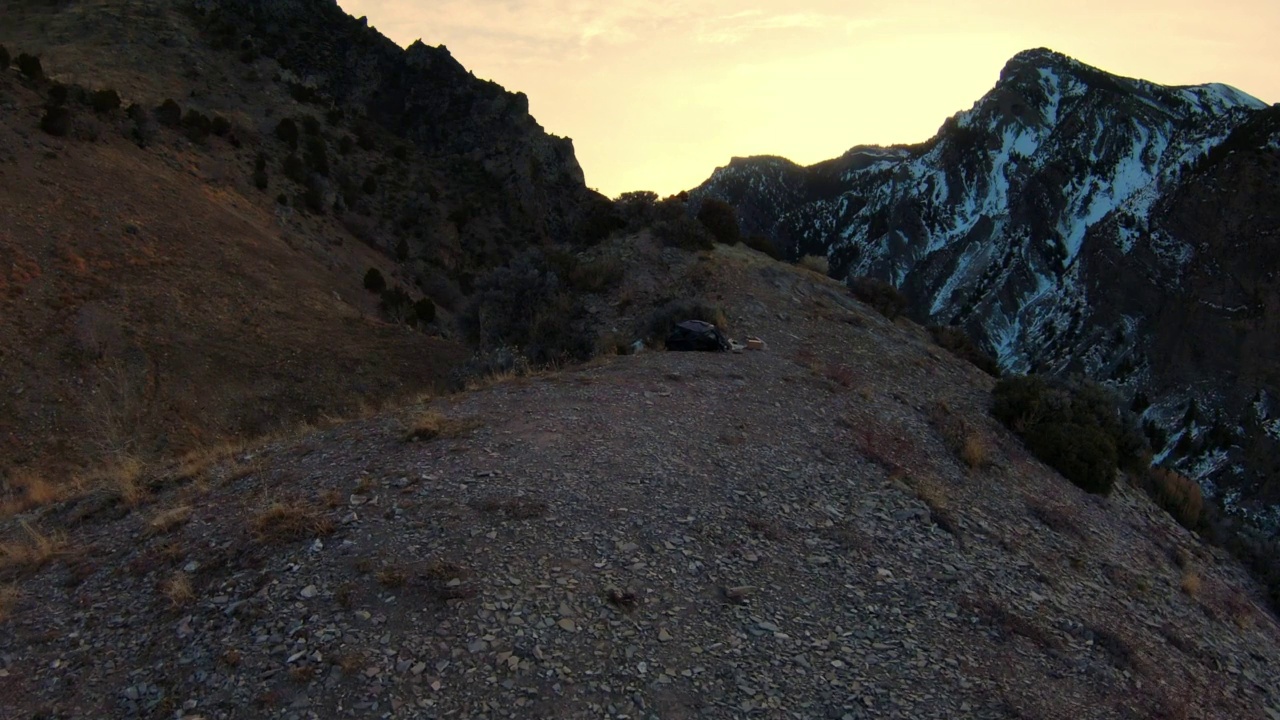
{"x":763,"y":244}
{"x":684,"y":233}
{"x":334,"y":116}
{"x":197,"y":126}
{"x":294,"y":168}
{"x":370,"y":185}
{"x":56,"y":121}
{"x":58,"y":94}
{"x":282,"y":200}
{"x":169,"y":114}
{"x":260,"y":178}
{"x":316,"y":154}
{"x":29,"y":65}
{"x":105,"y":101}
{"x":596,"y":276}
{"x":638,"y":208}
{"x":1077,"y":427}
{"x":424,"y":311}
{"x":721,"y":220}
{"x":956,"y":341}
{"x":526,"y":305}
{"x":373,"y":281}
{"x":880,"y":295}
{"x":402,"y":250}
{"x":287,"y":132}
{"x":400,"y":152}
{"x":346,"y":145}
{"x":310,"y":125}
{"x":4,"y":58}
{"x":220,"y":126}
{"x":396,"y":305}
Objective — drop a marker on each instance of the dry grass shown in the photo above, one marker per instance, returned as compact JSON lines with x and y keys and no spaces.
{"x":431,"y":425}
{"x":1179,"y":495}
{"x":974,"y":452}
{"x":166,"y":521}
{"x":392,"y":576}
{"x":1191,"y":583}
{"x":32,"y":552}
{"x":177,"y":588}
{"x":289,"y":521}
{"x":29,"y":489}
{"x":815,"y":263}
{"x":9,"y":596}
{"x":124,"y":477}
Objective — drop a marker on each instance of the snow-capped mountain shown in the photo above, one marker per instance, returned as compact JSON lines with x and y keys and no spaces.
{"x":1072,"y":221}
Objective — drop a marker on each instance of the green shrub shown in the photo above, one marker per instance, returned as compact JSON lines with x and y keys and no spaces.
{"x":4,"y":58}
{"x":370,"y":185}
{"x":684,"y":233}
{"x":373,"y":281}
{"x":763,"y":244}
{"x":58,"y":94}
{"x":29,"y":65}
{"x":197,"y":126}
{"x":169,"y":113}
{"x":424,"y":310}
{"x":220,"y":126}
{"x":310,"y":125}
{"x":287,"y":132}
{"x":957,"y":342}
{"x":294,"y":168}
{"x":596,"y":276}
{"x":334,"y":116}
{"x":317,"y":155}
{"x":1076,"y":427}
{"x":346,"y":145}
{"x":105,"y":101}
{"x":56,"y":121}
{"x":721,"y":220}
{"x":525,"y":305}
{"x":880,"y":295}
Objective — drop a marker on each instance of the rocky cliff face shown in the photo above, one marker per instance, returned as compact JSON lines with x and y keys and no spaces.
{"x":1073,"y":221}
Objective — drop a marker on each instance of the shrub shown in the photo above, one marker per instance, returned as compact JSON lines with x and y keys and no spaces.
{"x":105,"y":101}
{"x":957,"y":342}
{"x":1177,"y":494}
{"x":198,"y":125}
{"x":721,"y":220}
{"x":58,"y":94}
{"x":596,"y":222}
{"x":260,"y":179}
{"x":310,"y":125}
{"x":525,"y":305}
{"x":596,"y":276}
{"x":29,"y":65}
{"x":880,"y":295}
{"x":220,"y":126}
{"x":169,"y":113}
{"x":373,"y":281}
{"x":294,"y":168}
{"x":4,"y":58}
{"x":346,"y":145}
{"x":287,"y":132}
{"x":684,"y":233}
{"x":317,"y":155}
{"x":56,"y":121}
{"x":424,"y":311}
{"x":815,"y":263}
{"x":370,"y":185}
{"x":1075,"y":427}
{"x":760,"y":243}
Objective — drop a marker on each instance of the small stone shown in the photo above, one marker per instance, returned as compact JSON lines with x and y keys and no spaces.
{"x":664,"y":636}
{"x":309,"y":592}
{"x":568,"y":625}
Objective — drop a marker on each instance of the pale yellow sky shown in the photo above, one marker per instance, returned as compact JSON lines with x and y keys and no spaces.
{"x":657,"y":93}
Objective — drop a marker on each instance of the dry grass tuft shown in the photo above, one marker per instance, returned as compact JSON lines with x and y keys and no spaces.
{"x":392,"y":576}
{"x":29,"y":489}
{"x":431,"y":425}
{"x":1191,"y":583}
{"x":125,"y":478}
{"x":31,"y":553}
{"x":177,"y":588}
{"x":168,"y":520}
{"x":815,"y":263}
{"x":289,"y":521}
{"x":9,"y":597}
{"x":1179,"y":495}
{"x":974,"y":453}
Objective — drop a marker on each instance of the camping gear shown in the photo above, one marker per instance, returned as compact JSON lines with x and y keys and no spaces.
{"x":696,"y":335}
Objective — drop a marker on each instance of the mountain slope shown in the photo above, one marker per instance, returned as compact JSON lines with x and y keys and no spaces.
{"x":1042,"y":220}
{"x":778,"y":534}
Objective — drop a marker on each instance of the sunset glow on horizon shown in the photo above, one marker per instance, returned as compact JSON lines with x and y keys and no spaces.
{"x":657,"y":94}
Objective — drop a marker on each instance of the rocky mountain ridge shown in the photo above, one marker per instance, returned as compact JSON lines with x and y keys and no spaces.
{"x":1072,"y":222}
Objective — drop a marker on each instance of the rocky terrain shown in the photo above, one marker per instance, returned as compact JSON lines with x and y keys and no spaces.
{"x":831,"y":527}
{"x":1074,"y":221}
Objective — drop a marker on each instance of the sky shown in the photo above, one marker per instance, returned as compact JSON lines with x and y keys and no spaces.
{"x":658,"y":93}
